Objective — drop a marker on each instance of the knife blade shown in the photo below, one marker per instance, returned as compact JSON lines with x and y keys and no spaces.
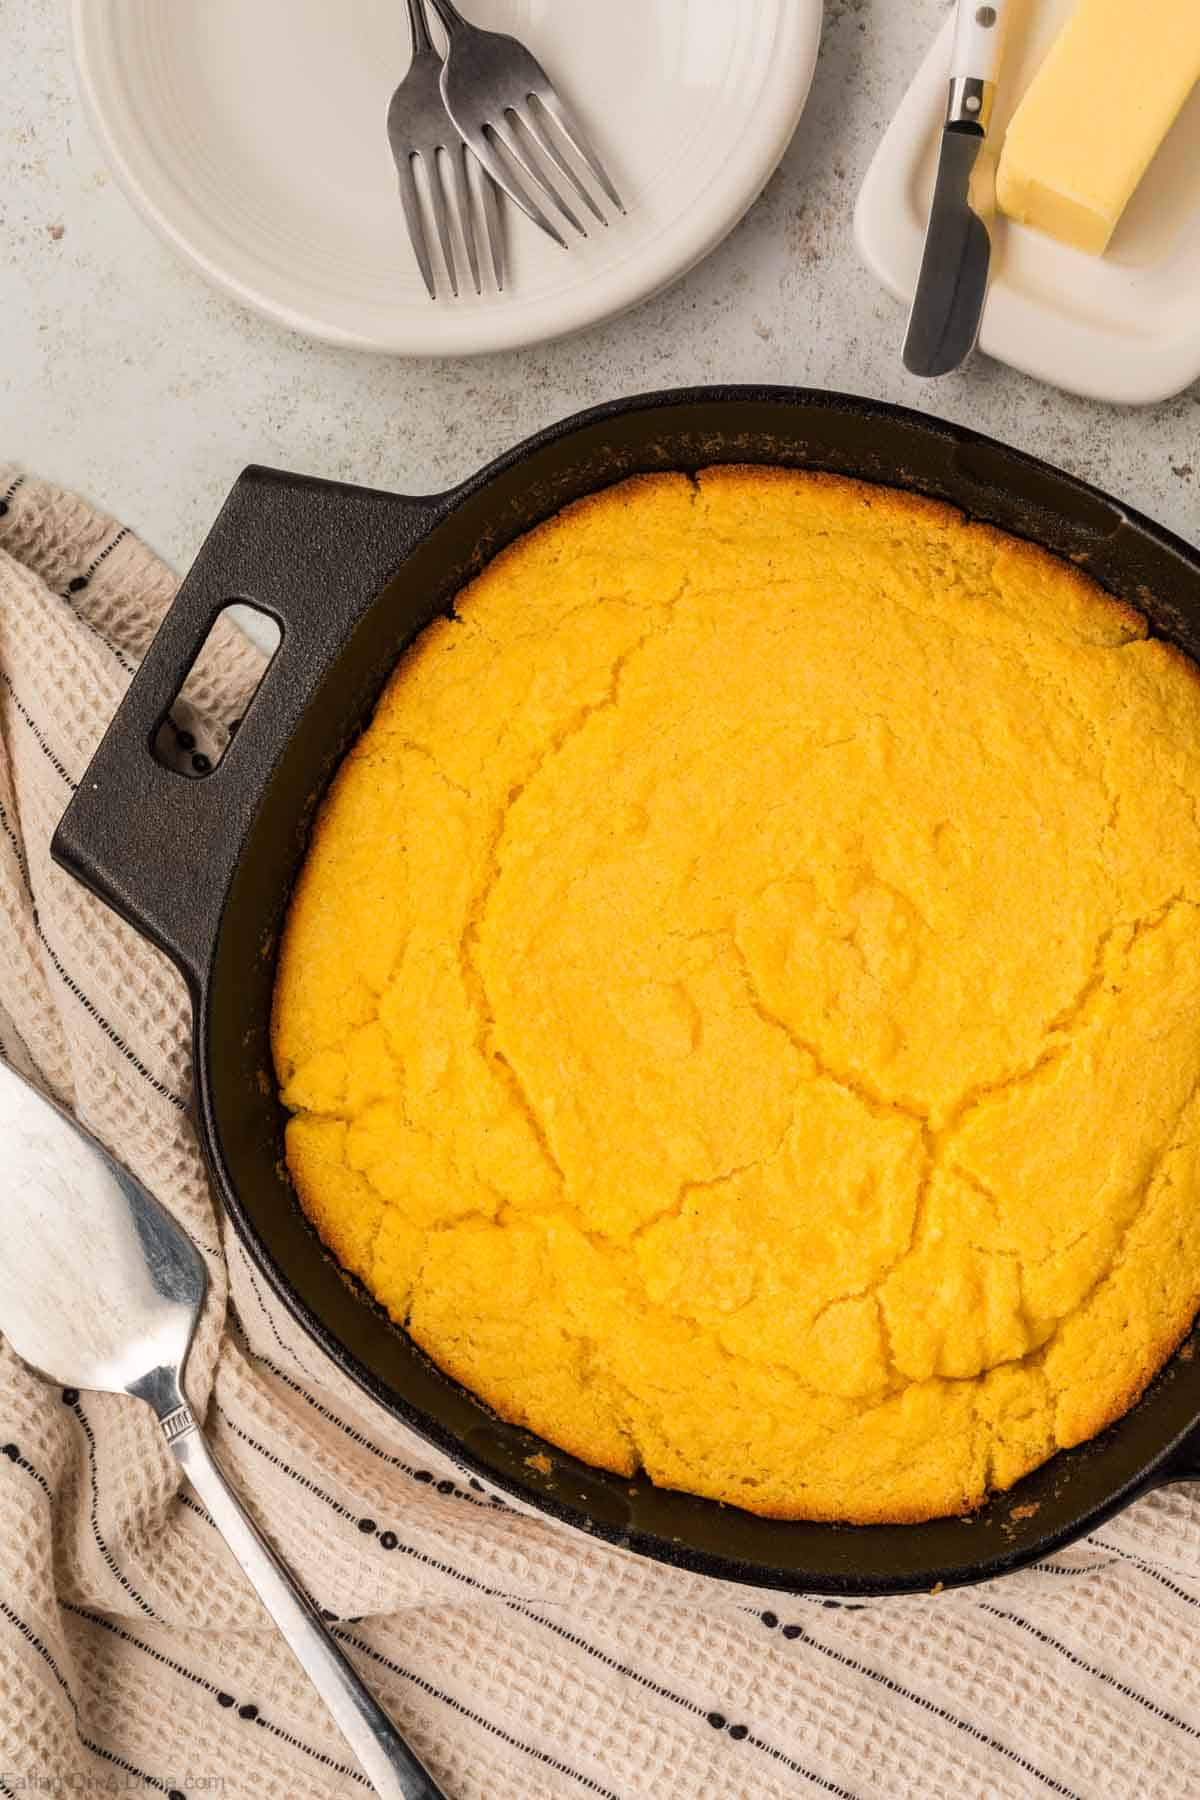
{"x":947,"y":307}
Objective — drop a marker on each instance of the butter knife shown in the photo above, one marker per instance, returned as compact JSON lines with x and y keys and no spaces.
{"x":951,"y":289}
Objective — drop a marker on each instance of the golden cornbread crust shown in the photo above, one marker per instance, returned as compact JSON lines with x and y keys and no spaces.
{"x":739,"y":1009}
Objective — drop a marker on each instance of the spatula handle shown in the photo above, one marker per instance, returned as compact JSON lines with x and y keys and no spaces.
{"x":978,"y":39}
{"x":394,"y":1771}
{"x":975,"y":61}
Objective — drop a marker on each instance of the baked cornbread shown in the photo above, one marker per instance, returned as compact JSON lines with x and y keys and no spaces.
{"x":740,"y":1010}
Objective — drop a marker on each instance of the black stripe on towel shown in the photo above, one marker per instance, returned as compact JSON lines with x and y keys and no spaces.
{"x":269,"y":1317}
{"x":105,"y":1552}
{"x":665,"y":1693}
{"x":17,"y":845}
{"x":1052,"y":1568}
{"x":14,"y":1456}
{"x":311,"y":1487}
{"x":427,"y":1687}
{"x":519,"y":1606}
{"x":81,"y":581}
{"x":218,"y":1694}
{"x":941,"y":1712}
{"x":1148,"y":1568}
{"x":31,"y":1637}
{"x":119,"y":1762}
{"x":357,"y":1437}
{"x":94,"y":565}
{"x":185,"y":1499}
{"x":110,"y":1031}
{"x":1078,"y":1662}
{"x":6,"y":678}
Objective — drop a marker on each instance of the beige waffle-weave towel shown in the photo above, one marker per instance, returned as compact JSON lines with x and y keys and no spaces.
{"x":523,"y":1661}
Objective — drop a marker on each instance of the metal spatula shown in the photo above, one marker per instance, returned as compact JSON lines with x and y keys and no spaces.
{"x":952,"y":285}
{"x":100,"y":1288}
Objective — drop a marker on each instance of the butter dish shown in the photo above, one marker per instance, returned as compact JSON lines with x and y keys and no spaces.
{"x":1124,"y":327}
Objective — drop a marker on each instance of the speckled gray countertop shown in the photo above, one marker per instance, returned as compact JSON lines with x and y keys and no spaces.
{"x":123,"y":374}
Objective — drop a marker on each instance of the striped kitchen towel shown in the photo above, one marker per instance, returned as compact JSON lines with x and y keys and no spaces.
{"x":521,"y":1659}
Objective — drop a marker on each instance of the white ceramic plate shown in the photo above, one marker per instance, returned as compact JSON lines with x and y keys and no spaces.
{"x":1123,"y":327}
{"x":251,"y":134}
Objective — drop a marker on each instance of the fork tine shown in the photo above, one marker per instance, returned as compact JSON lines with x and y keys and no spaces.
{"x":411,"y":202}
{"x":575,"y":135}
{"x":508,"y":137}
{"x":437,"y":199}
{"x":502,"y":175}
{"x":466,"y":218}
{"x":494,"y":224}
{"x":545,"y":143}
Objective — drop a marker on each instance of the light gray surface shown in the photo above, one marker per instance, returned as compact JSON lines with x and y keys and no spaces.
{"x":123,"y":374}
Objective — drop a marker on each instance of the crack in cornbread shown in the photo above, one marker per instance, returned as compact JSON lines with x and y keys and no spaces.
{"x":739,"y":1009}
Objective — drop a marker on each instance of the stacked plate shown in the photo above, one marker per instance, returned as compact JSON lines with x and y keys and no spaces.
{"x":253,"y":138}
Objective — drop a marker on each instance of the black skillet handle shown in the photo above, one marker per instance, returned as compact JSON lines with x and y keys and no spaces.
{"x":161,"y":847}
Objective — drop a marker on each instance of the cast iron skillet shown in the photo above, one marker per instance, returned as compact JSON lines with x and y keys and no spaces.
{"x":204,"y":868}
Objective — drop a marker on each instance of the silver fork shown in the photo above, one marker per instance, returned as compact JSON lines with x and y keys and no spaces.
{"x":504,"y":103}
{"x":420,"y":130}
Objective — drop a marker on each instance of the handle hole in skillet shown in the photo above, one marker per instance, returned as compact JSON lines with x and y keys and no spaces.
{"x":225,"y":674}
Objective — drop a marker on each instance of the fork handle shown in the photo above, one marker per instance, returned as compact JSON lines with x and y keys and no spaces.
{"x":420,"y":27}
{"x":450,"y":16}
{"x":392,"y":1768}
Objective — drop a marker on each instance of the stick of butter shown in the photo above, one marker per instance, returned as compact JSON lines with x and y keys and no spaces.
{"x":1094,"y":115}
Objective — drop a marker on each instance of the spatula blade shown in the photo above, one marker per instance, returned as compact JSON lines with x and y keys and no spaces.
{"x":99,"y":1287}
